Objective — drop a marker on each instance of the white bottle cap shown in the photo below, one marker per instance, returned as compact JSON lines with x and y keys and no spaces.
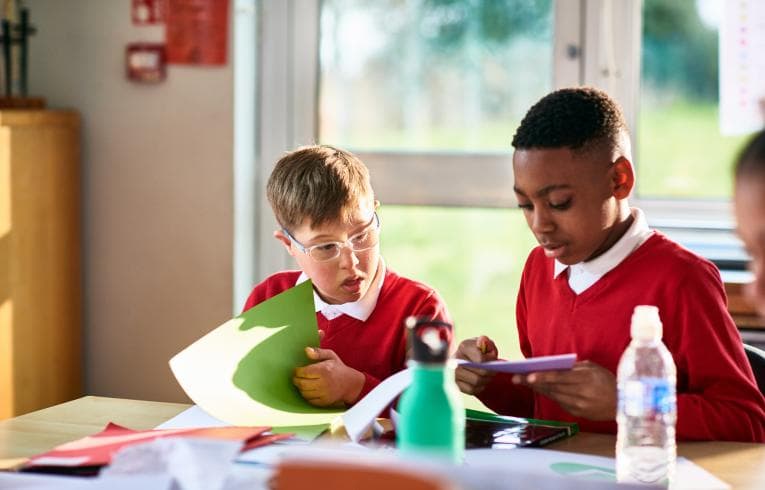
{"x":646,"y":324}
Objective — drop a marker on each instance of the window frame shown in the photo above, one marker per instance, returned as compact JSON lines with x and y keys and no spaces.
{"x":595,"y":42}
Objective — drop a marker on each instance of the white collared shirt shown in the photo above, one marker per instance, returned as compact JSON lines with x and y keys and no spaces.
{"x":585,"y":274}
{"x":361,"y":309}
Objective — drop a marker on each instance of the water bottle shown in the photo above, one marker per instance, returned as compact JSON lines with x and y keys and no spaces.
{"x":647,"y":411}
{"x":431,"y":419}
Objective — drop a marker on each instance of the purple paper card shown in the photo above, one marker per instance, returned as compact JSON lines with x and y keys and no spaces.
{"x":530,"y":365}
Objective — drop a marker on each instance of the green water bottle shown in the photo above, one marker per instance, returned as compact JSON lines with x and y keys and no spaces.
{"x":431,"y":418}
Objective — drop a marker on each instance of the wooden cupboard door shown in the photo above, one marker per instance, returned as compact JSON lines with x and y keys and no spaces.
{"x":40,"y":278}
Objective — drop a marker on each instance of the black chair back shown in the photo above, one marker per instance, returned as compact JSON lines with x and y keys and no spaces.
{"x":757,"y":360}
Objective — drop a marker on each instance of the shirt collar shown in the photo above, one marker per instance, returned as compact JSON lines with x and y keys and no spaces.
{"x":361,"y":309}
{"x":636,"y":234}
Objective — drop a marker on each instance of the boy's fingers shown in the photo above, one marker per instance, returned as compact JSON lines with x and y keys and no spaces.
{"x":305,"y":385}
{"x":466,"y":388}
{"x":486,"y":345}
{"x":317,"y":354}
{"x":551,"y":377}
{"x":465,"y":376}
{"x":475,"y":371}
{"x":469,"y":351}
{"x":308,"y":372}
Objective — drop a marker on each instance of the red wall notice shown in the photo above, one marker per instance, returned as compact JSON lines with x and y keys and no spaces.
{"x":197,"y":31}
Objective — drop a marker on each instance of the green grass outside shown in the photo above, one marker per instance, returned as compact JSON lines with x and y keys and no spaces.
{"x":681,"y":153}
{"x":473,"y":257}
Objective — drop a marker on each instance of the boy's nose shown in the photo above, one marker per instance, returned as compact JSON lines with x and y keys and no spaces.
{"x":348,"y":257}
{"x":541,"y":222}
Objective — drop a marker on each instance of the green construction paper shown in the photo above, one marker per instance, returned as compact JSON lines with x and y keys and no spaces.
{"x":266,"y":372}
{"x":308,"y":432}
{"x":241,"y":372}
{"x":577,"y":469}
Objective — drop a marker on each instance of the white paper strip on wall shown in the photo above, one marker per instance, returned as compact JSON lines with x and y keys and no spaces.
{"x":742,"y":67}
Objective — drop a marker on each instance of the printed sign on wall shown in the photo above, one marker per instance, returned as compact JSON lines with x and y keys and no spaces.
{"x":197,"y":31}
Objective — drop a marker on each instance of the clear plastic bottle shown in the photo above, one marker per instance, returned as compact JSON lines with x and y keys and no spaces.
{"x":431,"y":420}
{"x":647,"y":410}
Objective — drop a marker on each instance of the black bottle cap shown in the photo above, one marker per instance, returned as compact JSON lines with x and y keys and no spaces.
{"x":428,"y":339}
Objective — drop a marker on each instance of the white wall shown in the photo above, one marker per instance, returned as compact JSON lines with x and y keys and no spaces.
{"x":157,"y":193}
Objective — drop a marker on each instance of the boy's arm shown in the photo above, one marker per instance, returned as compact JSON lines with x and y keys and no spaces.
{"x":501,"y":394}
{"x":718,"y":398}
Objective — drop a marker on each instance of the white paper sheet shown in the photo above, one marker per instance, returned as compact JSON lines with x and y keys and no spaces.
{"x":546,"y":462}
{"x":360,"y":417}
{"x":742,"y":66}
{"x":26,"y":481}
{"x":194,"y":463}
{"x":192,"y":418}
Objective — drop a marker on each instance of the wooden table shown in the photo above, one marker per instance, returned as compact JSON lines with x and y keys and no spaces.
{"x":740,"y":464}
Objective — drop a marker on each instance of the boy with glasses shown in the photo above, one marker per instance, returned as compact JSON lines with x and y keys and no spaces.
{"x":324,"y":203}
{"x":596,"y":261}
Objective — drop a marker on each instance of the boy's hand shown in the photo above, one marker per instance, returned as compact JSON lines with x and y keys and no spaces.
{"x":479,"y":349}
{"x":588,"y":390}
{"x":328,"y":382}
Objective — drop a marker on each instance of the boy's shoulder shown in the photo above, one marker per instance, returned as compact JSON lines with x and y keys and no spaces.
{"x":283,"y":279}
{"x":663,"y":254}
{"x":399,"y":285}
{"x":271,"y":286}
{"x":658,"y":254}
{"x":404,"y":296}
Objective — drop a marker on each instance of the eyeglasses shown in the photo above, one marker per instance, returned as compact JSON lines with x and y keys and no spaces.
{"x":359,"y":242}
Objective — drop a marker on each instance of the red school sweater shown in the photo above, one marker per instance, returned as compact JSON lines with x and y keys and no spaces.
{"x":377,"y":346}
{"x":717,"y":397}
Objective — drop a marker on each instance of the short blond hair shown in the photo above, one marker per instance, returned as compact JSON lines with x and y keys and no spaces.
{"x":318,"y":183}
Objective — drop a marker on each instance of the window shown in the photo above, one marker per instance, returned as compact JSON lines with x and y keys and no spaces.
{"x":683,"y":159}
{"x":681,"y":151}
{"x":429,"y":93}
{"x":431,"y":74}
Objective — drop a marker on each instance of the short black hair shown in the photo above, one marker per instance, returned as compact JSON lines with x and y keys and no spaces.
{"x":751,"y":159}
{"x":576,"y":118}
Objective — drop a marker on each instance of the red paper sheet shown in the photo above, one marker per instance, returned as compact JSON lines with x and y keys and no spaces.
{"x":98,"y":449}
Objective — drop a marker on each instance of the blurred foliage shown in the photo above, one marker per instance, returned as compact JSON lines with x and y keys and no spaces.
{"x":449,"y":24}
{"x":679,"y":51}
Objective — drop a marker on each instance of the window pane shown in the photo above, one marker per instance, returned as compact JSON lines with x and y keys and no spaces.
{"x":681,"y":152}
{"x":431,"y":74}
{"x":473,"y":257}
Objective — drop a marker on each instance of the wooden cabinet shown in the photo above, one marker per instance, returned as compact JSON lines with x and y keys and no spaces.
{"x":40,"y":278}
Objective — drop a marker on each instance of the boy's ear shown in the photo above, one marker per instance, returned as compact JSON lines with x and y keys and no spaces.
{"x":279,"y":235}
{"x":622,"y":178}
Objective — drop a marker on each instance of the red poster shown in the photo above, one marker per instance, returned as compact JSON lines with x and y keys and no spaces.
{"x":197,"y":31}
{"x":97,"y":450}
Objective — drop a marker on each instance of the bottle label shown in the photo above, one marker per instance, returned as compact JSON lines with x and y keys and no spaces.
{"x":647,"y":396}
